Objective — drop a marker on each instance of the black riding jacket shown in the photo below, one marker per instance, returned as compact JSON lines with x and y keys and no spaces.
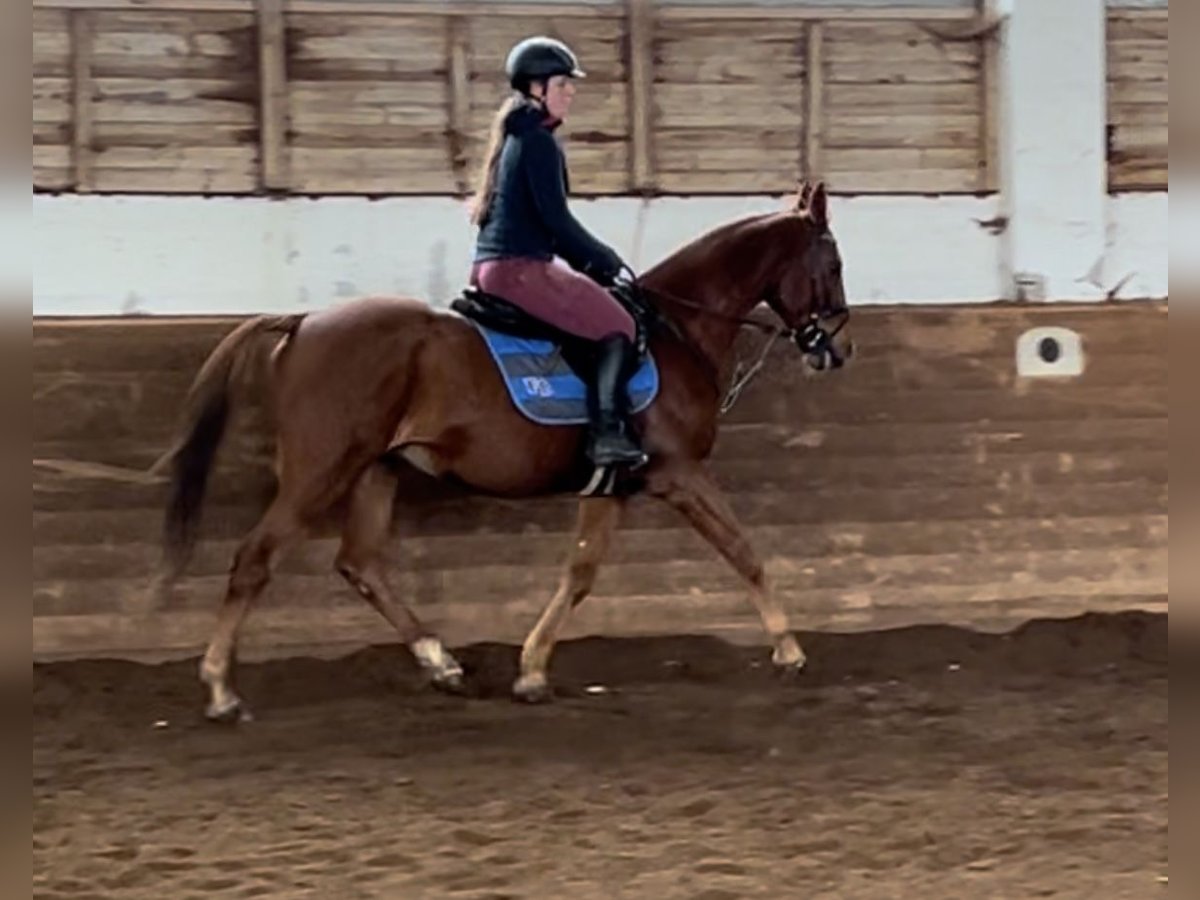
{"x":528,"y":216}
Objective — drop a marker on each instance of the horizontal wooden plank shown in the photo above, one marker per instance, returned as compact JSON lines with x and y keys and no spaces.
{"x":857,"y":578}
{"x":724,"y":106}
{"x":885,"y":70}
{"x":172,"y":134}
{"x":893,"y":159}
{"x":413,"y":181}
{"x":903,"y":99}
{"x":245,"y":455}
{"x":916,"y":181}
{"x":163,"y":181}
{"x":348,"y":629}
{"x":51,"y":43}
{"x":706,"y":68}
{"x":166,"y":54}
{"x":51,"y":134}
{"x":533,"y":518}
{"x":793,"y":472}
{"x":316,"y":107}
{"x":731,"y":181}
{"x":179,"y":100}
{"x":728,"y":52}
{"x":1139,"y":71}
{"x":851,"y":130}
{"x":51,"y":99}
{"x":1141,"y":138}
{"x":540,"y":8}
{"x":904,"y":45}
{"x":177,"y":169}
{"x":1119,"y":28}
{"x":52,"y":169}
{"x":330,"y":162}
{"x":1145,"y":51}
{"x":1140,"y":114}
{"x":214,"y":159}
{"x":701,"y":159}
{"x":394,"y":136}
{"x":1137,"y":92}
{"x":878,"y":16}
{"x":352,"y":47}
{"x":111,"y":18}
{"x":1140,"y":175}
{"x":970,"y":332}
{"x":860,"y":541}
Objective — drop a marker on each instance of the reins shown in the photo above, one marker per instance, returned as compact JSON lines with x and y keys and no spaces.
{"x":812,"y":338}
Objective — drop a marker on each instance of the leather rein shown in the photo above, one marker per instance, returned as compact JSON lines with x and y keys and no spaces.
{"x":812,"y":339}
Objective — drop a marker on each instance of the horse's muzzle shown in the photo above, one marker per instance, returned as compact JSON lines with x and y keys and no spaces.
{"x":817,"y":343}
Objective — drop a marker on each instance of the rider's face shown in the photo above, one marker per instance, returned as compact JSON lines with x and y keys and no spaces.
{"x":557,"y":96}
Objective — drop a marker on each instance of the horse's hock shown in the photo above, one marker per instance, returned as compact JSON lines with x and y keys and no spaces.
{"x":939,"y":478}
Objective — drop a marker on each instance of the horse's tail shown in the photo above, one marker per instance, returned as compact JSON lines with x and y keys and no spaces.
{"x":205,"y":415}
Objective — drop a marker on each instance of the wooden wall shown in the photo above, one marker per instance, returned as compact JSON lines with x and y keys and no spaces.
{"x":924,"y":483}
{"x":312,"y":97}
{"x":1137,"y":98}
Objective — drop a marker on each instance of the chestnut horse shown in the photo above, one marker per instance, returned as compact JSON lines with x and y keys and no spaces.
{"x":356,"y":388}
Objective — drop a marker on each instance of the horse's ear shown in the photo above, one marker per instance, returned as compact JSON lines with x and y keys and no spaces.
{"x":804,"y":192}
{"x":818,"y":205}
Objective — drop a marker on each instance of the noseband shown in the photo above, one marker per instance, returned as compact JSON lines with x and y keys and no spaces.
{"x":816,"y":342}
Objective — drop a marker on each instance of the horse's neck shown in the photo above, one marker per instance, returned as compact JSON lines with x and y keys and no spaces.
{"x":726,"y":272}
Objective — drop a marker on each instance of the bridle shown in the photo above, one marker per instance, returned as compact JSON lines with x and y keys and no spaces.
{"x":814,"y":339}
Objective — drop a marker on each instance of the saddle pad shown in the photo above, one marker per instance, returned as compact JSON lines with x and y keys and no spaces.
{"x":545,"y":389}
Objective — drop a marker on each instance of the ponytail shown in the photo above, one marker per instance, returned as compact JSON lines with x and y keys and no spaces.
{"x":480,"y":203}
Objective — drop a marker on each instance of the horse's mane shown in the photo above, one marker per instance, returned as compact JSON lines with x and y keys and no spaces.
{"x":703,"y":244}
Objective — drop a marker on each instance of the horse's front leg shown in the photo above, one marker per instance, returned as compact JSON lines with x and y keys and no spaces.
{"x":690,"y":489}
{"x":598,"y":519}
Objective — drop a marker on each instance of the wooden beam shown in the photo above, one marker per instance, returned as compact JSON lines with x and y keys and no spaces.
{"x":821,"y":13}
{"x":640,"y":31}
{"x":989,"y":113}
{"x":354,"y":7}
{"x":555,"y":10}
{"x":1137,"y":12}
{"x":814,"y":101}
{"x":272,"y":96}
{"x":82,"y":154}
{"x":458,"y":94}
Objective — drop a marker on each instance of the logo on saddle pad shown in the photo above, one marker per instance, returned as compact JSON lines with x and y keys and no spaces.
{"x":537,"y":386}
{"x":545,"y":389}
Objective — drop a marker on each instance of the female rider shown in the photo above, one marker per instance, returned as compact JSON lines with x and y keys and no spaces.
{"x":520,"y":206}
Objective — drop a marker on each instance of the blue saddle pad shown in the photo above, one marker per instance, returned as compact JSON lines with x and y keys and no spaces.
{"x":545,"y":389}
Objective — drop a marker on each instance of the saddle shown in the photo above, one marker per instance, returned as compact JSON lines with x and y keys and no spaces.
{"x":494,"y":312}
{"x":545,"y":370}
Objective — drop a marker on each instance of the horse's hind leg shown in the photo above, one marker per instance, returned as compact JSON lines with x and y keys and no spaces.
{"x":691,"y":490}
{"x":598,"y":519}
{"x":360,"y":561}
{"x":251,"y":571}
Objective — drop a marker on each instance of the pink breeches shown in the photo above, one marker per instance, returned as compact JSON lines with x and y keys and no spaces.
{"x":554,"y":293}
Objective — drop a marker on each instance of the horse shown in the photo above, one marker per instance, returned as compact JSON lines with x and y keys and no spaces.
{"x":358,"y":389}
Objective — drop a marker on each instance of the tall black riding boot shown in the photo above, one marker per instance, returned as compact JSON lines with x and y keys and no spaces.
{"x":612,"y":440}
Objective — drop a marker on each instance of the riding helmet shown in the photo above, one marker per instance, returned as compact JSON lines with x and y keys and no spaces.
{"x":538,"y":58}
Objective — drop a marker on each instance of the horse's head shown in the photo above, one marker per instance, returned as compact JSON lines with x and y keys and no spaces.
{"x":809,"y":295}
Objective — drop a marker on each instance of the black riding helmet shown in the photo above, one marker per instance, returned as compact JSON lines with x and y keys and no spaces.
{"x":537,"y":59}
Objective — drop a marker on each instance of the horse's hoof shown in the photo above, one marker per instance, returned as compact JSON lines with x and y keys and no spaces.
{"x":450,"y":683}
{"x":789,"y":663}
{"x":789,"y":674}
{"x":532,"y":690}
{"x":233,"y":713}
